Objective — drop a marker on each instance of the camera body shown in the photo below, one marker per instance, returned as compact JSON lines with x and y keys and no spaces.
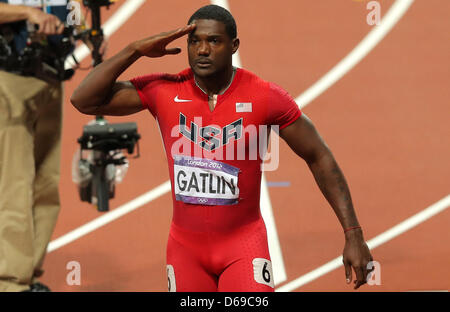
{"x":45,"y":59}
{"x":102,"y":136}
{"x":97,"y":173}
{"x":42,"y":59}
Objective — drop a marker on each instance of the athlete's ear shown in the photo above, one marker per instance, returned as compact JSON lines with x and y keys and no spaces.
{"x":235,"y":45}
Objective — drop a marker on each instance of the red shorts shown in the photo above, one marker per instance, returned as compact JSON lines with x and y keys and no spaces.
{"x":219,"y":261}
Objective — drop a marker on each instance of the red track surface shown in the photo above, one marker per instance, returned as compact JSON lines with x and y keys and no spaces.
{"x":386,"y":122}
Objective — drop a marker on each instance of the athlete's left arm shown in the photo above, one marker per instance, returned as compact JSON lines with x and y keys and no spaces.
{"x":306,"y":142}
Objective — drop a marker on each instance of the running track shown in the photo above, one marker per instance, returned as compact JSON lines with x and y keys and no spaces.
{"x":386,"y":121}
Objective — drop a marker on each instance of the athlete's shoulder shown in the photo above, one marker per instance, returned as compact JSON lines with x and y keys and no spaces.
{"x":163,"y":78}
{"x":252,"y":78}
{"x":256,"y":82}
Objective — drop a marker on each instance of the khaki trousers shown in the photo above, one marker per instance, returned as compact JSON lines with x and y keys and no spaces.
{"x":30,"y":135}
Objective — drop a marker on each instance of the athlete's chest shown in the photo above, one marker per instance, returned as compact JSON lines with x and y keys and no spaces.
{"x":216,"y":112}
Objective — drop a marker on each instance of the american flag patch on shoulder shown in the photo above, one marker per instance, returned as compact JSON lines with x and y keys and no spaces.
{"x":243,"y":107}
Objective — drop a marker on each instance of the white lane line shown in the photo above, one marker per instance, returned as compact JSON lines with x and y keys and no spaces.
{"x":236,"y":56}
{"x":384,"y":237}
{"x":122,"y":14}
{"x":276,"y":256}
{"x":395,"y":13}
{"x":119,"y":18}
{"x":109,"y":216}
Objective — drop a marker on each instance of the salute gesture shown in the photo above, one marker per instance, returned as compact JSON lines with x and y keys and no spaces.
{"x":101,"y":94}
{"x":156,"y":46}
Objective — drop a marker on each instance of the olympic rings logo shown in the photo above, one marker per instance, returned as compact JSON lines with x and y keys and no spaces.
{"x":202,"y":200}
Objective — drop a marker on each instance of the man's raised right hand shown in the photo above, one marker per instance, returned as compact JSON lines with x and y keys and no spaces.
{"x":156,"y":46}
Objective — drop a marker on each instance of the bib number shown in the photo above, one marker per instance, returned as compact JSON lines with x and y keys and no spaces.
{"x":262,"y":269}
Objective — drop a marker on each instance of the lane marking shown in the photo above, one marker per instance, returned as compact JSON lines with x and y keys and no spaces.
{"x":236,"y":56}
{"x":395,"y":13}
{"x":278,"y":267}
{"x":384,"y":237}
{"x":123,"y":13}
{"x":279,"y":184}
{"x":109,"y":216}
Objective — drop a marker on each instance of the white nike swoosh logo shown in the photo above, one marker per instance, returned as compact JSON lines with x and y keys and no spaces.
{"x":176,"y":99}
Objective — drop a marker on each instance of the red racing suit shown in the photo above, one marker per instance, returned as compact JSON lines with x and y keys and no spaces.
{"x":218,"y":239}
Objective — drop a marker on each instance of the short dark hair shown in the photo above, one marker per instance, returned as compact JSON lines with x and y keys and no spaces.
{"x":217,"y":13}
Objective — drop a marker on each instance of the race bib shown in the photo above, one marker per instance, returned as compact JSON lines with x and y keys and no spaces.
{"x":262,"y":269}
{"x":205,"y":181}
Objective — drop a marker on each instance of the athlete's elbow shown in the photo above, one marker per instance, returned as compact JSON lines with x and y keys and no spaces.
{"x":77,"y":104}
{"x":81,"y":105}
{"x":318,"y":155}
{"x":87,"y":110}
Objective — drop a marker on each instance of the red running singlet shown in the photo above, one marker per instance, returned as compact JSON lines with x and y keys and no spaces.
{"x":218,"y":240}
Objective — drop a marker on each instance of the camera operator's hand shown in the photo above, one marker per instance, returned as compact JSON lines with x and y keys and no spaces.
{"x":156,"y":46}
{"x":48,"y":24}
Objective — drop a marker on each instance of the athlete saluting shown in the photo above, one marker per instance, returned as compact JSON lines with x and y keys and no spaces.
{"x":210,"y":115}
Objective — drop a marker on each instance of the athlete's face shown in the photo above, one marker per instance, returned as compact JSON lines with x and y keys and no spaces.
{"x":210,"y":48}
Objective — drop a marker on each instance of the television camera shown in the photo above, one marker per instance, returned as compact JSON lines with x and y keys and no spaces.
{"x":101,"y":163}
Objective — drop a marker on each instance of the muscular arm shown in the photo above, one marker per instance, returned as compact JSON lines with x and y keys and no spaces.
{"x":100,"y":94}
{"x":307,"y":143}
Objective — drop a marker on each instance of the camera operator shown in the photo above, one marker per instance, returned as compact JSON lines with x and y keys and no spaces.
{"x":30,"y":133}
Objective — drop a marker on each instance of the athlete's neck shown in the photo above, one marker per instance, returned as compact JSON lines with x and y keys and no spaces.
{"x":216,"y":84}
